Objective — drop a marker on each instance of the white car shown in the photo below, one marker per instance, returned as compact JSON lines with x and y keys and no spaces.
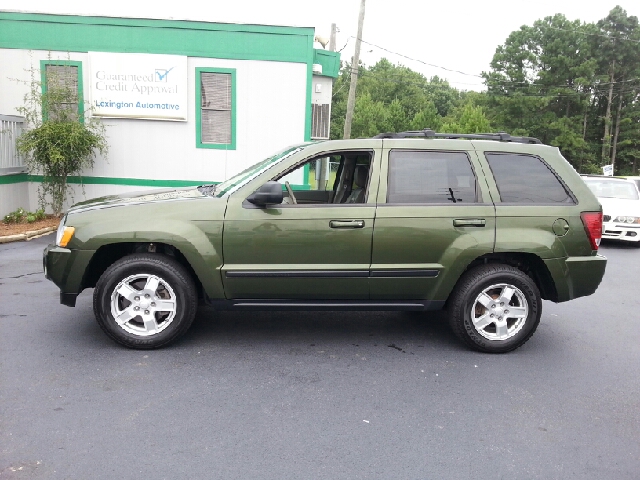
{"x":620,"y":201}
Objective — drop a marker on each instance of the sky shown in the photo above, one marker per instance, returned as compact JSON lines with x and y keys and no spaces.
{"x":455,"y":40}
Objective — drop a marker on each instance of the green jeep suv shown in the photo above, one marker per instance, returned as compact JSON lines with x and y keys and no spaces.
{"x":483,"y":225}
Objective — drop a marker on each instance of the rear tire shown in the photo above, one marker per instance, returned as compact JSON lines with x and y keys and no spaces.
{"x":495,"y":308}
{"x":145,"y":301}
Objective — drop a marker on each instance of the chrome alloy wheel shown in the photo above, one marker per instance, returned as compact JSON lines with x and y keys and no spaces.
{"x":499,"y":312}
{"x":143,"y":305}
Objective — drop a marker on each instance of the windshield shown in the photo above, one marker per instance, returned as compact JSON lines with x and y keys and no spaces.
{"x":609,"y":188}
{"x":240,"y":179}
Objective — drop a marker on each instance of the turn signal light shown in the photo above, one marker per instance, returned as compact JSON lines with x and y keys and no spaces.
{"x":67,"y":234}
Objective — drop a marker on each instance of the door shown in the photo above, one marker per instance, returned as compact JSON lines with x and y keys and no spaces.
{"x":317,"y":248}
{"x":434,"y":217}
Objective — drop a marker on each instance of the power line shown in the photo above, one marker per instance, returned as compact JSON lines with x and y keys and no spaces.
{"x":345,"y":44}
{"x":366,"y":73}
{"x":505,"y":81}
{"x":427,"y":81}
{"x":420,"y":61}
{"x":594,"y":87}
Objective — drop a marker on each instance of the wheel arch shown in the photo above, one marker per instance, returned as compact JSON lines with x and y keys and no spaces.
{"x":108,"y":254}
{"x":530,"y":264}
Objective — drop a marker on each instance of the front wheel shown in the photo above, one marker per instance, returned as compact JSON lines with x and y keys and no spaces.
{"x":145,"y":301}
{"x":495,"y":308}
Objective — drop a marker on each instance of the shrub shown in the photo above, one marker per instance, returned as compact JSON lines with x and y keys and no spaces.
{"x":60,"y":142}
{"x":21,"y":215}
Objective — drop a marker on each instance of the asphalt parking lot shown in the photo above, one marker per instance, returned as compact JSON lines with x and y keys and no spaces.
{"x":336,"y":395}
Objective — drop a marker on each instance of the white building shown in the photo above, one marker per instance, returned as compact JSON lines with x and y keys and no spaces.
{"x":184,"y":102}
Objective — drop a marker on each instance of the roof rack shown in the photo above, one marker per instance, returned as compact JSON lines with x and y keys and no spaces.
{"x":428,"y":133}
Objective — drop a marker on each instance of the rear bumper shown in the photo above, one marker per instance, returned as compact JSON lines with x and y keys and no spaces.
{"x":576,"y":277}
{"x":66,"y":269}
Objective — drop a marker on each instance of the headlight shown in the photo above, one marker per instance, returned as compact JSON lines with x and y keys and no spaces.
{"x":627,"y":219}
{"x":64,"y":233}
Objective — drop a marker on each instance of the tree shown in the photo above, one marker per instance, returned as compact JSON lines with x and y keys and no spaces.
{"x":59,"y":141}
{"x":539,"y":75}
{"x":468,"y":118}
{"x":369,"y":117}
{"x":426,"y":118}
{"x":571,"y":84}
{"x":619,"y":54}
{"x":392,"y":98}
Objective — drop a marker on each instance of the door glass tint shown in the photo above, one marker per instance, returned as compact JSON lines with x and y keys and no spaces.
{"x":526,"y":179}
{"x":430,"y":177}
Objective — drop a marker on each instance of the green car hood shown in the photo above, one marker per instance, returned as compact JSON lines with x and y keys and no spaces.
{"x":136,"y":198}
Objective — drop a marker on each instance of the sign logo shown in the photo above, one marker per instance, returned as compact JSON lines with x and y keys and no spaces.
{"x":161,"y":74}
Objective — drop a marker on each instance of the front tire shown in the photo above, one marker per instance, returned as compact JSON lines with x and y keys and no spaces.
{"x":145,"y":301}
{"x":495,"y":308}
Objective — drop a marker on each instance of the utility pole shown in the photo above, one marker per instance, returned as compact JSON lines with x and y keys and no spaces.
{"x":351,"y":101}
{"x":332,"y":38}
{"x":322,"y":164}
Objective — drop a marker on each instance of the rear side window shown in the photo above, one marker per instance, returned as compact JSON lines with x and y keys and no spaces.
{"x":526,"y":179}
{"x":430,"y":177}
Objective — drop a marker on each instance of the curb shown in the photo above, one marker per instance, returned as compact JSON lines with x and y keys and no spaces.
{"x":31,"y":234}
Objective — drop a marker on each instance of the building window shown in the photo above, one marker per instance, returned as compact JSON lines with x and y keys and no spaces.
{"x":216,"y":108}
{"x":320,"y":119}
{"x":62,"y":86}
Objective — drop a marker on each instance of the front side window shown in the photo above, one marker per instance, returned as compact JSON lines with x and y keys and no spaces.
{"x":341,"y":178}
{"x":430,"y":177}
{"x":526,"y":179}
{"x":215,"y":109}
{"x":62,"y":89}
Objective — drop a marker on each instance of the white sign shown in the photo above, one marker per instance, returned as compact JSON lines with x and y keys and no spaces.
{"x":607,"y":170}
{"x":134,"y":85}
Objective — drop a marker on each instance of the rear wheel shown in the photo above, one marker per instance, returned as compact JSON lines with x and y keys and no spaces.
{"x":495,"y":308}
{"x":145,"y":301}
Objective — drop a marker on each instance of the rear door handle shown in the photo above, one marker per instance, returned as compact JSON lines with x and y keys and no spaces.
{"x":468,"y":222}
{"x":346,"y":223}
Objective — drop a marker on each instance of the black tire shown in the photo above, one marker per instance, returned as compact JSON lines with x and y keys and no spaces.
{"x":509,"y":325}
{"x":166,"y":304}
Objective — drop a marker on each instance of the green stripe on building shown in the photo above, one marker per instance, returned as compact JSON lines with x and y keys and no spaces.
{"x":120,"y":35}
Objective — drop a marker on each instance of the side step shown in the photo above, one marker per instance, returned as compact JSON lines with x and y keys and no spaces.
{"x":260,"y":304}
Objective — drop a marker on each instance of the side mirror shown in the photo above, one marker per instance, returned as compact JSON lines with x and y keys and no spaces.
{"x":268,"y":194}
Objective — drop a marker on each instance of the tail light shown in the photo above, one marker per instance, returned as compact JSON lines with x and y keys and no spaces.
{"x":592,"y":222}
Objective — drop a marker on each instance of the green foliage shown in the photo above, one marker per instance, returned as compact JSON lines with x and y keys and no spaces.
{"x":573,"y":85}
{"x":426,"y":118}
{"x":391,"y":98}
{"x":59,"y":142}
{"x":467,"y":119}
{"x":21,"y":215}
{"x":15,"y":216}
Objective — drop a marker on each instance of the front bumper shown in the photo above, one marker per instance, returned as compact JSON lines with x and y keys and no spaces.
{"x":66,"y":269}
{"x":621,"y":231}
{"x":576,"y":277}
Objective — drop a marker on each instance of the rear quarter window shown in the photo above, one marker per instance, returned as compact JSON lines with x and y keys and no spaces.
{"x":527,"y":179}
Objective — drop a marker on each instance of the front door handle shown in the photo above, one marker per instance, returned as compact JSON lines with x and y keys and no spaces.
{"x":468,"y":222}
{"x":346,"y":223}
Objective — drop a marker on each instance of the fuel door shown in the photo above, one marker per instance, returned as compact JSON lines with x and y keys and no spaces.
{"x":560,"y":227}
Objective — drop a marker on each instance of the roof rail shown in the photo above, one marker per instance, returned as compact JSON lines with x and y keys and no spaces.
{"x":428,"y":133}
